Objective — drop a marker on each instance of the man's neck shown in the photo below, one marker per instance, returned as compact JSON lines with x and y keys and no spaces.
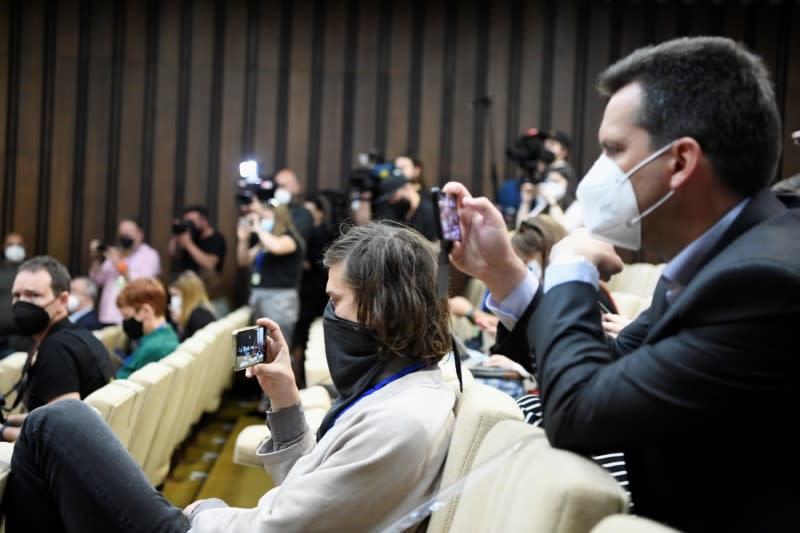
{"x":156,"y":323}
{"x":206,"y":233}
{"x":414,"y":200}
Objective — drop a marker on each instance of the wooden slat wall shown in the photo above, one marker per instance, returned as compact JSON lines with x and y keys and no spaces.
{"x":134,"y":108}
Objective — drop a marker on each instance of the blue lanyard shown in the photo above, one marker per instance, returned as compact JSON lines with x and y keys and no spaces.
{"x":378,"y":386}
{"x":259,"y":260}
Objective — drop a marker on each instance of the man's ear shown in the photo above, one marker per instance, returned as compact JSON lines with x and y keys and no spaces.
{"x":147,"y":310}
{"x":64,"y":297}
{"x":686,"y":154}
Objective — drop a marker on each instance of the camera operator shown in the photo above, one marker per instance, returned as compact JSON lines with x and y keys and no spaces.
{"x":271,"y":246}
{"x":411,"y":167}
{"x":397,"y":199}
{"x":519,"y":197}
{"x":289,"y":192}
{"x":112,"y":267}
{"x":195,"y":245}
{"x":66,"y":360}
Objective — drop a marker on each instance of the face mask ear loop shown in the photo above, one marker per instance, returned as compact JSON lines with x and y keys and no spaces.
{"x":652,"y":157}
{"x":635,"y":220}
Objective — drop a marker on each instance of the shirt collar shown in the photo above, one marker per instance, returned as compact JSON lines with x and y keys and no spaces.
{"x":680,"y":271}
{"x":77,"y":315}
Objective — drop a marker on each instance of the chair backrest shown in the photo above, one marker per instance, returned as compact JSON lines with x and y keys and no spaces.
{"x":157,"y":381}
{"x":478,"y":409}
{"x":172,"y":416}
{"x":120,"y":406}
{"x":625,"y":523}
{"x":637,"y":278}
{"x":6,"y":451}
{"x":537,"y":488}
{"x":630,"y":305}
{"x":112,"y":337}
{"x":10,"y":372}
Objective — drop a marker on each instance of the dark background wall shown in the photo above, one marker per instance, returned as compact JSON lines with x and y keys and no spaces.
{"x":113,"y":108}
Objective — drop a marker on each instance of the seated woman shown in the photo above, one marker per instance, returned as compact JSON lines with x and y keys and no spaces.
{"x":189,"y":304}
{"x":379,"y":450}
{"x":143,"y":303}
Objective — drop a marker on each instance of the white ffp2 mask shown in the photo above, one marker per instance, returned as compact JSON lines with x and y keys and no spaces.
{"x":608,"y":202}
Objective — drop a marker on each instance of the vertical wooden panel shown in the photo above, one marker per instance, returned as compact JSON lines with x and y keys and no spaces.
{"x":97,"y":123}
{"x":366,"y":67}
{"x":399,"y":80}
{"x":11,"y":89}
{"x":132,"y":116}
{"x":300,"y":88}
{"x":61,"y":208}
{"x":164,"y":128}
{"x":30,"y":109}
{"x":5,"y":68}
{"x":331,"y":175}
{"x":318,"y":27}
{"x":500,"y":23}
{"x":46,"y":124}
{"x":568,"y":45}
{"x":230,"y":151}
{"x":431,"y":95}
{"x":267,"y":83}
{"x":184,"y":71}
{"x":532,"y":72}
{"x":463,"y":84}
{"x":198,"y":121}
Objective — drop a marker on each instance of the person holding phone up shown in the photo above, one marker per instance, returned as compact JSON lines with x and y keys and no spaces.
{"x":379,"y":451}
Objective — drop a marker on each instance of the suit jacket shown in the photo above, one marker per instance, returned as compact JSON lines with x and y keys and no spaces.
{"x":383,"y":456}
{"x":90,"y":321}
{"x":699,"y":395}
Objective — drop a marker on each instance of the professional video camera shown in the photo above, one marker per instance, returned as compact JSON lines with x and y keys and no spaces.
{"x":527,"y":151}
{"x":371,"y":170}
{"x":252,"y":184}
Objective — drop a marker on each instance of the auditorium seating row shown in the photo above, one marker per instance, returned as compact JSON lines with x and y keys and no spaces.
{"x":153,"y":411}
{"x":538,"y":488}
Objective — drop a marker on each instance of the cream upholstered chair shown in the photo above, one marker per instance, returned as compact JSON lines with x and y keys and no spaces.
{"x":637,"y":278}
{"x":157,"y":381}
{"x":10,"y":373}
{"x":625,"y":523}
{"x":191,"y":396}
{"x":251,"y":437}
{"x":630,"y":305}
{"x":316,"y":365}
{"x":537,"y":488}
{"x":120,"y":406}
{"x":157,"y":464}
{"x":6,"y":451}
{"x":478,"y":409}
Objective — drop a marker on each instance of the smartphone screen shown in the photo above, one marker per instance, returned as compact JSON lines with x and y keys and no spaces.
{"x":448,"y":215}
{"x":250,"y":346}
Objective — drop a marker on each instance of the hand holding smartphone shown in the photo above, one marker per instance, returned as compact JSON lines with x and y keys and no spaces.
{"x":249,"y":347}
{"x":445,"y":206}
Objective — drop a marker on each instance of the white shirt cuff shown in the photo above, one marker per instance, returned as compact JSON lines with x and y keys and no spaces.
{"x":511,"y":308}
{"x":584,"y":271}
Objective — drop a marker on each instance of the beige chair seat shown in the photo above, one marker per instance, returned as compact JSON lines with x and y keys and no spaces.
{"x":6,"y":451}
{"x":538,"y":488}
{"x":10,"y":372}
{"x":316,"y":397}
{"x":120,"y":406}
{"x":251,"y":437}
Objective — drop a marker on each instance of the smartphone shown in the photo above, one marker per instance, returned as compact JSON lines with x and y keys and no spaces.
{"x":249,"y":346}
{"x":447,"y":209}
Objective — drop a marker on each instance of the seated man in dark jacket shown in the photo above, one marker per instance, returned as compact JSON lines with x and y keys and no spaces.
{"x":81,"y":305}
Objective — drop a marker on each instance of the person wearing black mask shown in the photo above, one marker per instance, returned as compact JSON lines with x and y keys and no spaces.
{"x":114,"y":266}
{"x":384,"y":442}
{"x":10,"y":338}
{"x":143,"y":304}
{"x":398,"y":199}
{"x":69,"y":362}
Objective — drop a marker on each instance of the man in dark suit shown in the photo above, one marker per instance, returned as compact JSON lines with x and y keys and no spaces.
{"x":699,"y":391}
{"x":82,"y":299}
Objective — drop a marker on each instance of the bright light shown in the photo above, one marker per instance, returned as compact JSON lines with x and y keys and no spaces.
{"x":248,"y":169}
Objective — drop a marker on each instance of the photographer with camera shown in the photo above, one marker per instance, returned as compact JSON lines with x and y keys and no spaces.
{"x":397,"y":199}
{"x":195,"y":245}
{"x":113,"y":266}
{"x":66,"y":360}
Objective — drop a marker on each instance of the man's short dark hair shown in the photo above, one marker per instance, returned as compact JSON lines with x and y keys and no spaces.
{"x":59,"y":275}
{"x":393,"y":273}
{"x":199,"y":209}
{"x":713,"y":90}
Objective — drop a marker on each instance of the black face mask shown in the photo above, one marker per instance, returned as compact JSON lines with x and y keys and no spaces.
{"x":352,"y":353}
{"x":30,"y":318}
{"x":399,"y":209}
{"x":133,"y":328}
{"x":125,"y":241}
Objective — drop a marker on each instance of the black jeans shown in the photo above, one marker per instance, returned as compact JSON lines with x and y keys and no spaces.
{"x":70,"y":473}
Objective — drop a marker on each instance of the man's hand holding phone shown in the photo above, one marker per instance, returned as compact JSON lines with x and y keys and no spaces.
{"x":275,"y":374}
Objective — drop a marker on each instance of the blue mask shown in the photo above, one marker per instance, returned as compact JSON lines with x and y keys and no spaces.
{"x":267,"y":224}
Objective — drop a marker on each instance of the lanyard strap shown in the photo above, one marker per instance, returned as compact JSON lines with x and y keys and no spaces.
{"x":381,"y":384}
{"x":259,"y":260}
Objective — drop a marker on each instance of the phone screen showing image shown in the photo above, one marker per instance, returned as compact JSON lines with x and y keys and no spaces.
{"x":448,"y":215}
{"x":250,"y":346}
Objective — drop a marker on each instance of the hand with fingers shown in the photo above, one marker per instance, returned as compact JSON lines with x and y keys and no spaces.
{"x":275,"y":376}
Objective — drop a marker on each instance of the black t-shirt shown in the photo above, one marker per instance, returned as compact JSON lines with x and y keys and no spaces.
{"x":302,"y":220}
{"x":424,"y":219}
{"x":214,"y":244}
{"x":278,"y":271}
{"x":198,"y":318}
{"x":70,"y":359}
